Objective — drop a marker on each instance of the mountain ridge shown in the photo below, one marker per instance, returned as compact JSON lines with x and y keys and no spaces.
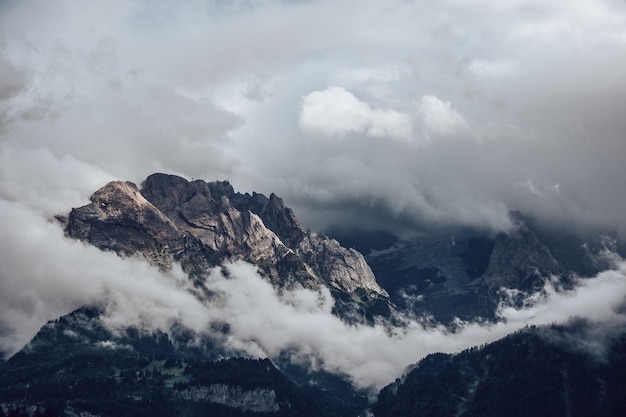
{"x":79,"y":363}
{"x":172,"y":219}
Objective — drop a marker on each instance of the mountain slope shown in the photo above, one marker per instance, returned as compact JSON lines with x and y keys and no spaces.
{"x":530,"y":373}
{"x":93,"y":361}
{"x":84,"y":363}
{"x":77,"y":364}
{"x":467,"y":275}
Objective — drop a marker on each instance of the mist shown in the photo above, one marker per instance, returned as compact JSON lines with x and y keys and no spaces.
{"x":47,"y":275}
{"x":373,"y":356}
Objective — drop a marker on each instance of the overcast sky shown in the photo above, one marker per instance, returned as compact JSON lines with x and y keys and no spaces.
{"x":383,"y":114}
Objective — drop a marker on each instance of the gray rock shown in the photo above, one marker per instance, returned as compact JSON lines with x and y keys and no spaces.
{"x":519,"y":260}
{"x":202,"y":225}
{"x":258,"y":400}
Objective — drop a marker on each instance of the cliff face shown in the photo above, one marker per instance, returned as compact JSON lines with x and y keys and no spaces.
{"x":530,"y":254}
{"x":202,"y":224}
{"x":258,"y":400}
{"x":519,"y":260}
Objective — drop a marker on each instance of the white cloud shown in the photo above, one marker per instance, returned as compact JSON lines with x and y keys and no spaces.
{"x":441,"y":119}
{"x":337,"y":112}
{"x":46,"y":183}
{"x":45,"y":275}
{"x":299,"y":321}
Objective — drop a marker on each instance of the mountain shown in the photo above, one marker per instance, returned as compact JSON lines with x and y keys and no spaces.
{"x":81,"y":364}
{"x":172,"y":219}
{"x":468,"y":274}
{"x":538,"y":372}
{"x":202,"y":225}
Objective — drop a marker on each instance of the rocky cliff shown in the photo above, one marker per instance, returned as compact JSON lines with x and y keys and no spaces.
{"x":520,"y":259}
{"x":202,"y":225}
{"x":530,"y":254}
{"x":470,"y":274}
{"x":258,"y":400}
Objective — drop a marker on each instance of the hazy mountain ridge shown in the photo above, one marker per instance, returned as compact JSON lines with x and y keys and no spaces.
{"x":82,"y":362}
{"x":202,"y":225}
{"x":93,"y":365}
{"x":469,"y":275}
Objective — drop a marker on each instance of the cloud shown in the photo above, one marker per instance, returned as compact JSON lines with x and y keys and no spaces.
{"x":375,"y":355}
{"x":496,"y":69}
{"x":439,"y":118}
{"x":47,"y":184}
{"x":47,"y":275}
{"x":337,"y":112}
{"x":474,"y":99}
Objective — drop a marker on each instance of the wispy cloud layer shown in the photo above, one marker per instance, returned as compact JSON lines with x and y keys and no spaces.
{"x":47,"y":275}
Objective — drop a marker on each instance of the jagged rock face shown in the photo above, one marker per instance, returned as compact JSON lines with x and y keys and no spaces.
{"x":202,"y":224}
{"x":211,"y":218}
{"x":121,"y":219}
{"x":258,"y":400}
{"x":344,"y":267}
{"x":530,"y":254}
{"x":519,"y":260}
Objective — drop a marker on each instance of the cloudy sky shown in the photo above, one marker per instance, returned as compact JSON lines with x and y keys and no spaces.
{"x":380,"y":113}
{"x":401,"y":115}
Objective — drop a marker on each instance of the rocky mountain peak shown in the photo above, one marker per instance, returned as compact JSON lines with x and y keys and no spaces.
{"x":203,"y":224}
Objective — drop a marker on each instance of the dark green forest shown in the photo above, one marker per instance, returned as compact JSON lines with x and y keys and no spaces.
{"x":524,"y":374}
{"x":76,"y":363}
